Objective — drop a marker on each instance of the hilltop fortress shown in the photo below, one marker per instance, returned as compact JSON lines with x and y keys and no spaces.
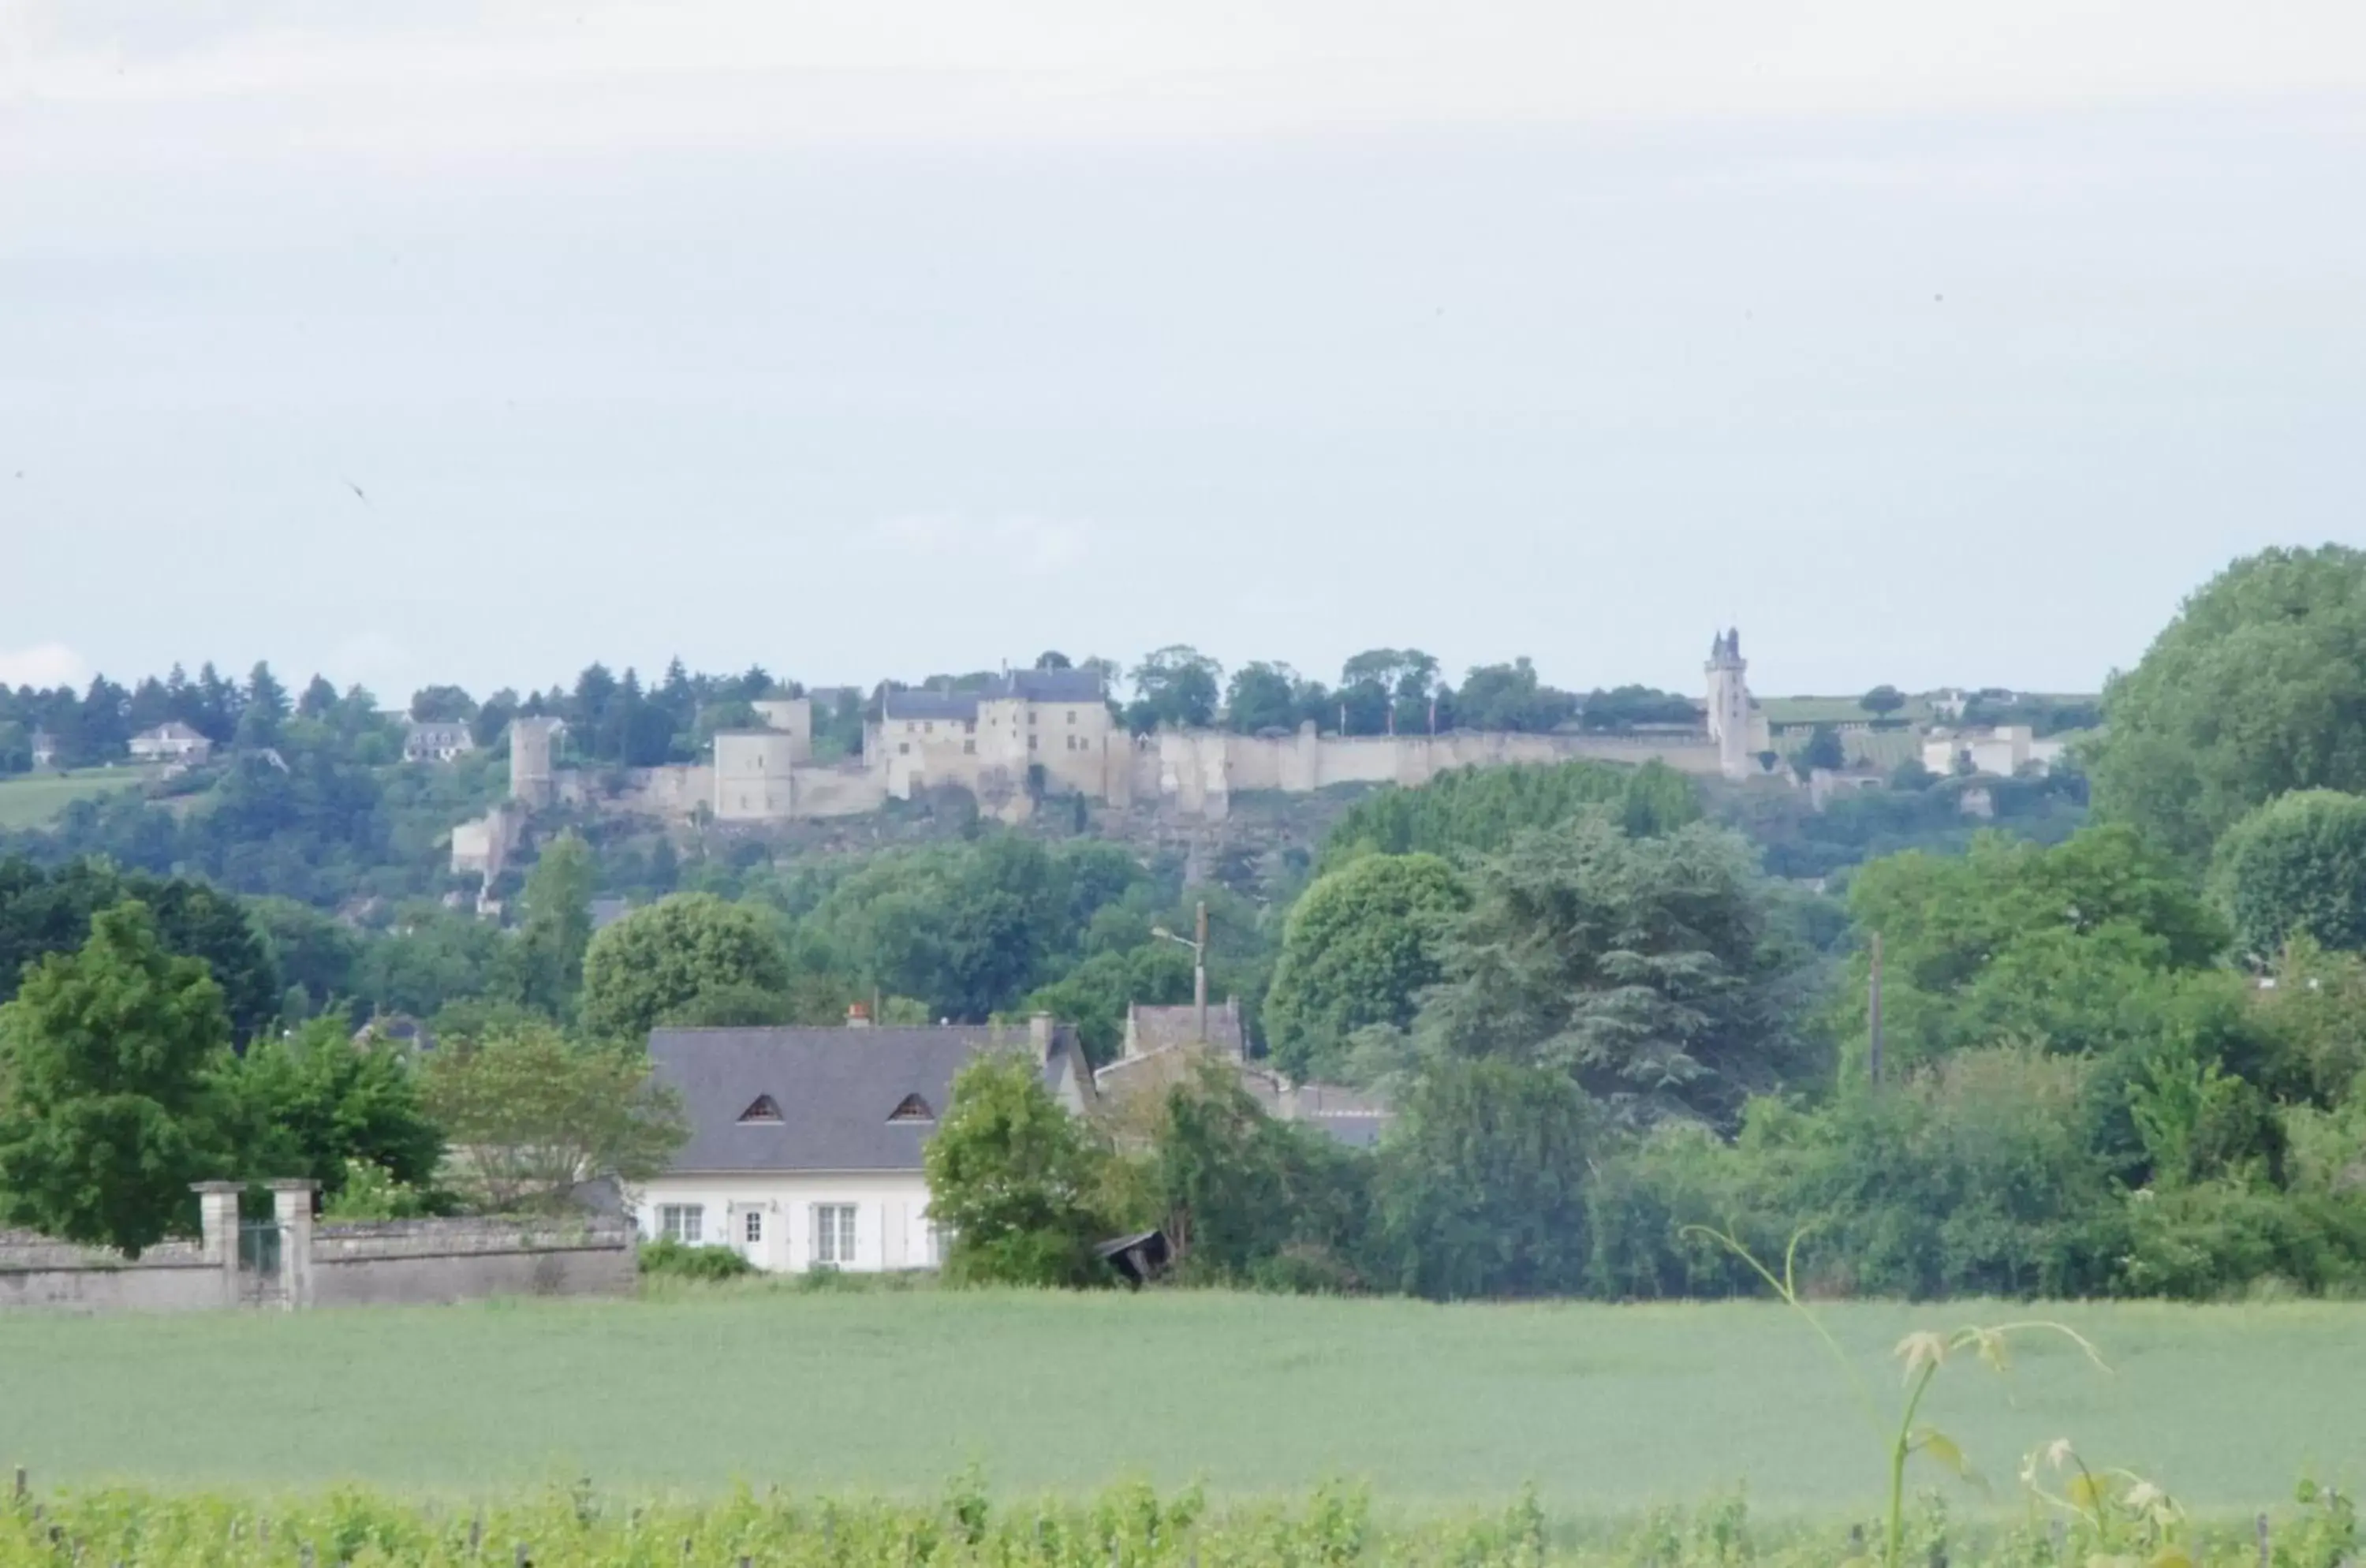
{"x":1038,"y":734}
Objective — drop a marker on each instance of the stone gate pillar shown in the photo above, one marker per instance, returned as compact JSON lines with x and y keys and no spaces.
{"x":218,"y":1220}
{"x":291,"y":1206}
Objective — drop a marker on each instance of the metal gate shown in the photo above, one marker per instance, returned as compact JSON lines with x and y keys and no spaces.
{"x":260,"y":1281}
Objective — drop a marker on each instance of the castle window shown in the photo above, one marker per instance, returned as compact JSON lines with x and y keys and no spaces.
{"x":1071,"y":716}
{"x":911,"y":1108}
{"x":1032,"y":743}
{"x":762,"y":1108}
{"x":928,"y":729}
{"x":1031,"y":716}
{"x":903,"y":748}
{"x":970,"y":746}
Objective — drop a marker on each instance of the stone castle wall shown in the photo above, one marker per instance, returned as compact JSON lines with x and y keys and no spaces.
{"x":1016,"y":751}
{"x":1197,"y":771}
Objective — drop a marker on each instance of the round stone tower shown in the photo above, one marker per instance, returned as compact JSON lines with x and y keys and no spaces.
{"x":531,"y":740}
{"x":1728,"y":705}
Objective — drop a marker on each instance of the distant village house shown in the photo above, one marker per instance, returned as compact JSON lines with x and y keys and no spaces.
{"x":436,"y":741}
{"x":171,"y":742}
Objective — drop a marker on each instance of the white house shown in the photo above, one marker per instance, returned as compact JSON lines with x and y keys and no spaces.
{"x":434,"y":741}
{"x":805,"y":1143}
{"x":171,"y":742}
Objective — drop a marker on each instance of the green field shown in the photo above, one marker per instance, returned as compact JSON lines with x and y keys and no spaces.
{"x":33,"y":800}
{"x":1602,"y":1408}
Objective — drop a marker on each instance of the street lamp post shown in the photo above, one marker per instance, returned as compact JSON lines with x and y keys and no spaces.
{"x":1198,"y":947}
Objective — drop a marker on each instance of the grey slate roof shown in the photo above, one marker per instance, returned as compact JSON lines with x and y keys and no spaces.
{"x":1027,"y":685}
{"x":835,"y":1088}
{"x":929,"y":704}
{"x":1053,"y":685}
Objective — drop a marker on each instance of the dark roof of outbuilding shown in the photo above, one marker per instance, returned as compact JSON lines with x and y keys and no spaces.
{"x":835,"y":1089}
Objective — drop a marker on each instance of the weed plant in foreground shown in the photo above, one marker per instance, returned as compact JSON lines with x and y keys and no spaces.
{"x":1132,"y":1527}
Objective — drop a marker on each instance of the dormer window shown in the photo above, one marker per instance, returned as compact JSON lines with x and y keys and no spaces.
{"x":760,"y":1111}
{"x":912,"y":1107}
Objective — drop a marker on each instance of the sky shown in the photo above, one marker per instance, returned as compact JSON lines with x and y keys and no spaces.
{"x":473,"y":342}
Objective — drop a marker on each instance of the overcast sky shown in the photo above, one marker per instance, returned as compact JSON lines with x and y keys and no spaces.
{"x":1929,"y":344}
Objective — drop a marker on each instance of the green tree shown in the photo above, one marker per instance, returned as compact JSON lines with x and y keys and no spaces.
{"x":1510,"y":696}
{"x":1882,"y":701}
{"x":558,"y":925}
{"x":1360,"y":948}
{"x":427,"y":959}
{"x":2296,"y":866}
{"x":1481,"y":1187}
{"x":443,"y":704}
{"x":531,"y":1116}
{"x":1823,"y":749}
{"x":314,"y":1104}
{"x":50,"y":912}
{"x":265,"y":710}
{"x":2012,"y":940}
{"x":1174,"y":686}
{"x":1650,"y":970}
{"x":313,"y":952}
{"x":1244,"y":1198}
{"x":104,"y":1116}
{"x":660,"y":958}
{"x":1262,"y":697}
{"x":1474,"y":811}
{"x":1015,"y":1180}
{"x":737,"y":1006}
{"x":1095,"y":995}
{"x":2249,"y":694}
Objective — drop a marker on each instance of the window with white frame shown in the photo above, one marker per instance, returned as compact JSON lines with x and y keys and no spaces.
{"x":834,"y":1233}
{"x":685,"y":1222}
{"x":755,"y":1230}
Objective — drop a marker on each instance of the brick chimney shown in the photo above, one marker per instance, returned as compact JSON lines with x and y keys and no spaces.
{"x":858,"y":1016}
{"x":1039,"y":1034}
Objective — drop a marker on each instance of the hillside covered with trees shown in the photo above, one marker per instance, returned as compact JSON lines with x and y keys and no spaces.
{"x":2119,"y":1055}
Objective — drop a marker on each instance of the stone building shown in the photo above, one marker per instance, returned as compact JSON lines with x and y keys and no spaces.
{"x":1999,"y":751}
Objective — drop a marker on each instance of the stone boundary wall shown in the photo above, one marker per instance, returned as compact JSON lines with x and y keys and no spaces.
{"x":423,"y":1262}
{"x":415,"y":1262}
{"x":40,"y":1271}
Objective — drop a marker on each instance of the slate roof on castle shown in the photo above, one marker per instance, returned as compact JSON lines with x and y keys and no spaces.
{"x":1021,"y":686}
{"x":828,"y":1098}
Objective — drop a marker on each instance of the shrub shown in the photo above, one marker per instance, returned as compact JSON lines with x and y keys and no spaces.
{"x":669,"y":1257}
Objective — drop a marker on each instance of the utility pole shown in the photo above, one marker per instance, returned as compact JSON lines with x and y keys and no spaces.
{"x":1873,"y":1010}
{"x":1198,"y":942}
{"x":1199,"y":969}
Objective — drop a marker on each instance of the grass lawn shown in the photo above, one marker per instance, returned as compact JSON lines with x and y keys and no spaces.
{"x":33,"y":800}
{"x":1604,"y":1408}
